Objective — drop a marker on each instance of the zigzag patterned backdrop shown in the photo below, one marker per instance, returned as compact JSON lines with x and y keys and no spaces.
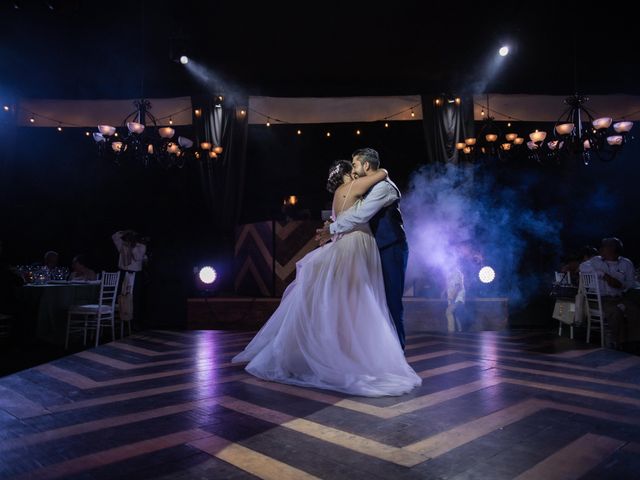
{"x":258,"y":257}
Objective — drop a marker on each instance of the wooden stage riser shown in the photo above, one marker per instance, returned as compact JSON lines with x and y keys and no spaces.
{"x":420,"y":314}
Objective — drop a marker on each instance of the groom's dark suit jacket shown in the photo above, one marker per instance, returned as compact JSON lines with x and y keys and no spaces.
{"x":387,"y":225}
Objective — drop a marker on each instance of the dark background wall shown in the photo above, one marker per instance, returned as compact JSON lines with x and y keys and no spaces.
{"x":56,"y":194}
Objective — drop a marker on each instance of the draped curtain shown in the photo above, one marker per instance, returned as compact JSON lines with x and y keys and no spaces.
{"x":446,"y":122}
{"x":222,"y":178}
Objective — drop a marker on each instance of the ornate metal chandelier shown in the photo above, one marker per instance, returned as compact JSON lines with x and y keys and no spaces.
{"x":578,"y":134}
{"x":147,"y":144}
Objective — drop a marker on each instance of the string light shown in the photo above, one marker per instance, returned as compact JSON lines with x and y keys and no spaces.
{"x":87,"y":133}
{"x":115,"y":134}
{"x":32,"y":120}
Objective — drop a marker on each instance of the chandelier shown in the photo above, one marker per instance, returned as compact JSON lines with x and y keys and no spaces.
{"x":490,"y":140}
{"x":578,"y":134}
{"x":143,"y":141}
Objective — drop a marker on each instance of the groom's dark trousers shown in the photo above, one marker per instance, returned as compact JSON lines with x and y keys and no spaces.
{"x":388,"y":230}
{"x":394,"y":266}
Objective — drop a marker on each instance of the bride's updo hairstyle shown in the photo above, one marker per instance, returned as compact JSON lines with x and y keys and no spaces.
{"x":338,"y":170}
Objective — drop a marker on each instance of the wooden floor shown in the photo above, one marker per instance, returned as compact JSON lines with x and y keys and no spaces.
{"x":169,"y":405}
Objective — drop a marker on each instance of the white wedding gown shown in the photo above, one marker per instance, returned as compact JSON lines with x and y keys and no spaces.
{"x":333,"y":329}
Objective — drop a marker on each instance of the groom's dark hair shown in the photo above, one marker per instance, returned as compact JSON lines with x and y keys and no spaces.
{"x":368,"y":155}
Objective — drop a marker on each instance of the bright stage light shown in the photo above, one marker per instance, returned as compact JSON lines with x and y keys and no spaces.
{"x":504,"y":51}
{"x":207,"y":275}
{"x":486,"y":274}
{"x":184,"y":59}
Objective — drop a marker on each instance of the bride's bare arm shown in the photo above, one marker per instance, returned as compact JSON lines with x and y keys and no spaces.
{"x":363,"y":184}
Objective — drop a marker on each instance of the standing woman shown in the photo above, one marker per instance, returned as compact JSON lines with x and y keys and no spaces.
{"x":132,"y":254}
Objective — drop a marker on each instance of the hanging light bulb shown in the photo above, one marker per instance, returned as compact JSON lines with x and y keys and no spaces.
{"x":32,"y":120}
{"x":357,"y":132}
{"x":299,"y":132}
{"x":170,"y":121}
{"x":328,"y":134}
{"x":59,"y":128}
{"x":413,"y":114}
{"x":386,"y":125}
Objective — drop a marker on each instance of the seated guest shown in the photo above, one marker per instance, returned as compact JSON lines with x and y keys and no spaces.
{"x":51,"y":259}
{"x":572,"y":265}
{"x":616,"y":275}
{"x":79,"y":269}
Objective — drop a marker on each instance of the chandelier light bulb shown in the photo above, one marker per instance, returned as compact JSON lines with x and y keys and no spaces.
{"x":622,"y":127}
{"x":531,"y":145}
{"x":601,"y":123}
{"x":135,"y":127}
{"x":538,"y":136}
{"x":166,"y":132}
{"x":460,"y":145}
{"x":506,"y":147}
{"x":470,"y":141}
{"x":511,"y":136}
{"x":491,"y":137}
{"x":106,"y":130}
{"x":467,"y":150}
{"x":565,"y":128}
{"x":213,"y":154}
{"x":614,"y":140}
{"x":218,"y":149}
{"x":518,"y":141}
{"x":205,"y":146}
{"x":118,"y":147}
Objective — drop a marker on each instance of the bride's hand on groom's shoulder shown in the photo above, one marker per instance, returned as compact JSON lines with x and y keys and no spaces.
{"x":323,"y":235}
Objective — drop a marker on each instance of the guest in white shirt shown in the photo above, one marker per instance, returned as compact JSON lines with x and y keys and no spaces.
{"x":80,"y":271}
{"x":455,"y":300}
{"x":616,"y":275}
{"x":132,"y":250}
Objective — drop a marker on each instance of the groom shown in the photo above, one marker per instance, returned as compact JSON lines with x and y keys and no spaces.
{"x":380,"y":208}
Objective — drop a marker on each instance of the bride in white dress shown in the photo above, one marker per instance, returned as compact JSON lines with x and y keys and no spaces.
{"x":333,"y":329}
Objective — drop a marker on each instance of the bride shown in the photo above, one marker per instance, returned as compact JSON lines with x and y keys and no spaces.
{"x":333,"y":329}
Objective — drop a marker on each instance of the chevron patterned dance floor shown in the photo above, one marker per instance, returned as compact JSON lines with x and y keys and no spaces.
{"x":169,"y":405}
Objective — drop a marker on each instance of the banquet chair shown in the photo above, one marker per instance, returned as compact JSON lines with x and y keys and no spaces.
{"x":595,"y":313}
{"x":95,"y":317}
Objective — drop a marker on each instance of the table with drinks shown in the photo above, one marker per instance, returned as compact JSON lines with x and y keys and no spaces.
{"x":47,"y":296}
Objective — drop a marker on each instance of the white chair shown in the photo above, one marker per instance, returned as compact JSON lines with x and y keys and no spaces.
{"x":563,"y":278}
{"x":590,"y":288}
{"x":95,"y":316}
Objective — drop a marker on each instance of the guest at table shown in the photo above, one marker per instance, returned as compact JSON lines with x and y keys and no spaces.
{"x":616,"y":277}
{"x":80,"y":270}
{"x":51,"y":259}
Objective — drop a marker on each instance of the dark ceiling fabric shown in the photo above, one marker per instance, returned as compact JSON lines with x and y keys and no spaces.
{"x":222,"y":178}
{"x":445,"y":125}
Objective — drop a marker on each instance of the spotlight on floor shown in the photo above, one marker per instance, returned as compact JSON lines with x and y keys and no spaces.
{"x":486,"y":274}
{"x":205,"y":280}
{"x":207,"y":275}
{"x":184,"y":59}
{"x":504,"y":51}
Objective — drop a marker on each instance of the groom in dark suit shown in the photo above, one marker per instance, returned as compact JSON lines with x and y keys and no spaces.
{"x":380,"y":207}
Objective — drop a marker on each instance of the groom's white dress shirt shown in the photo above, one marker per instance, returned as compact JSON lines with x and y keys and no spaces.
{"x":381,"y":195}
